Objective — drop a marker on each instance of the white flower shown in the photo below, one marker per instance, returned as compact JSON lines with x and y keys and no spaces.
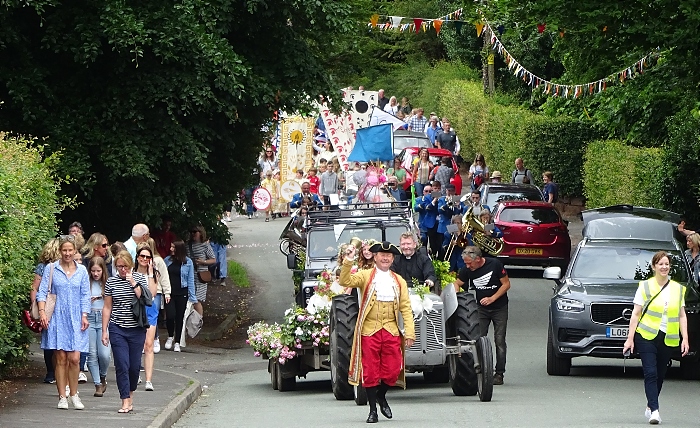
{"x":299,"y":331}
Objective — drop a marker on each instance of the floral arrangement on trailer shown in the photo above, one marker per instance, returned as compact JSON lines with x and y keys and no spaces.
{"x":302,"y":327}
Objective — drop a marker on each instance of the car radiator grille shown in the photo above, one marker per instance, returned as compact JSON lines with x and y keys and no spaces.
{"x":611,"y":313}
{"x":431,"y":329}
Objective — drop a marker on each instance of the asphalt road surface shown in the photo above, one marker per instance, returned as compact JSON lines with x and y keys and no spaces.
{"x":597,"y":394}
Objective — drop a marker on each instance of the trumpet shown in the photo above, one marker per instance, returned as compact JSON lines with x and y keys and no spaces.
{"x":458,"y":239}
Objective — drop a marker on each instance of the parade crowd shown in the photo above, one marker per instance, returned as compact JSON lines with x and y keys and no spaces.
{"x":99,"y":302}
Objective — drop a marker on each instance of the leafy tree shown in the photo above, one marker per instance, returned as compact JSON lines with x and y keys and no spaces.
{"x":159,"y":105}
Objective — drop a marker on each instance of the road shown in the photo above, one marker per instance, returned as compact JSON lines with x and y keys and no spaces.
{"x":598,"y":393}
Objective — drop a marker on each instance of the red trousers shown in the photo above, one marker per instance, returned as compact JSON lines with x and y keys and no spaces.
{"x":382,"y":359}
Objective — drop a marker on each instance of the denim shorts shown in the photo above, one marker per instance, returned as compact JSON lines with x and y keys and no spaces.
{"x":152,"y":311}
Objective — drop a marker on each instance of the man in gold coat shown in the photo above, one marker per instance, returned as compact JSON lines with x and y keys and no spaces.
{"x":377,"y":359}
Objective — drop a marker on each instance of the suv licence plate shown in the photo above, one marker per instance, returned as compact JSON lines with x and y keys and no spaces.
{"x":616,"y":331}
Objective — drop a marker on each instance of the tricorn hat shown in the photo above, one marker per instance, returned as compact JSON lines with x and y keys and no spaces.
{"x":385,"y":247}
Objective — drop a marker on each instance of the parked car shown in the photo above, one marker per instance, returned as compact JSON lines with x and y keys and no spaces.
{"x":408,"y":155}
{"x":590,"y":310}
{"x":404,"y":139}
{"x":493,"y":193}
{"x":534,"y":234}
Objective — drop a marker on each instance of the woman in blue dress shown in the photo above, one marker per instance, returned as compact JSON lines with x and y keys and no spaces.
{"x":66,"y":332}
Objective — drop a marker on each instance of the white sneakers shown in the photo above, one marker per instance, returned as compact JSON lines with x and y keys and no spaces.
{"x":647,"y":413}
{"x":149,"y":385}
{"x":156,"y":346}
{"x":654,"y":418}
{"x":76,"y":402}
{"x":169,"y":343}
{"x":82,"y":378}
{"x":177,"y":347}
{"x":62,"y":403}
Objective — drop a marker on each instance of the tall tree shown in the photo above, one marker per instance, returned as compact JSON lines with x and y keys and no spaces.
{"x":158,"y":105}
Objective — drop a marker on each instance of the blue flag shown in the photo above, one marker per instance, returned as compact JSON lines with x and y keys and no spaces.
{"x":373,"y":143}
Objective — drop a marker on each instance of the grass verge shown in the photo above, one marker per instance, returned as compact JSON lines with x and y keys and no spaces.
{"x":237,"y":274}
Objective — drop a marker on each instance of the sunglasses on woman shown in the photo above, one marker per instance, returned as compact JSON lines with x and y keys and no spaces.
{"x":145,"y":256}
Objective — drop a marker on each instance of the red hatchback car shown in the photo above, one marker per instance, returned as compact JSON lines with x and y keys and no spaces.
{"x":409,"y":155}
{"x":534,"y":234}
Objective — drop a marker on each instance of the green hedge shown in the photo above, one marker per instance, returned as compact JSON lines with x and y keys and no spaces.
{"x":679,"y":189}
{"x":616,"y":173}
{"x":28,"y":209}
{"x":558,"y":144}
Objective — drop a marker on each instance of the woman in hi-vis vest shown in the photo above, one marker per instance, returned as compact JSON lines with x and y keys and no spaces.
{"x":657,"y":325}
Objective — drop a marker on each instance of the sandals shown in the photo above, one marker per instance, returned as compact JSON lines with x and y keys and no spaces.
{"x":124,"y":410}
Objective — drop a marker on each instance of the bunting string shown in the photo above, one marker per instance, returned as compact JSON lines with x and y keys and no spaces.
{"x":484,"y":28}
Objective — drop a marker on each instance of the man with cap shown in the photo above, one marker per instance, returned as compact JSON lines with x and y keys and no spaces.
{"x":377,"y":359}
{"x":448,"y":206}
{"x":413,"y":262}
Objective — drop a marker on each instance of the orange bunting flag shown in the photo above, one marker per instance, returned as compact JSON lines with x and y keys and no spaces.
{"x":417,"y":24}
{"x":479,"y":28}
{"x":374,"y":19}
{"x":437,"y":24}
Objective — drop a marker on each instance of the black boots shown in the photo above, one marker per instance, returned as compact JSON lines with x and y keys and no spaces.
{"x":381,"y":399}
{"x":372,"y":400}
{"x":377,"y":394}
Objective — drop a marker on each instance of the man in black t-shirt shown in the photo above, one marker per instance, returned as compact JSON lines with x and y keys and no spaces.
{"x":490,"y":280}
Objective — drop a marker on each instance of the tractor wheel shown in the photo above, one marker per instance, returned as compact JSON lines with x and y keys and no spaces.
{"x":344,"y":309}
{"x":360,"y":395}
{"x":272,"y":368}
{"x":556,"y":365}
{"x":485,"y":375}
{"x":284,"y":383}
{"x":440,"y":374}
{"x":465,"y":323}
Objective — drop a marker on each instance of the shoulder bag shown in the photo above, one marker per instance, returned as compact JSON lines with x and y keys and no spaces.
{"x":49,"y":305}
{"x":646,"y":305}
{"x":205,"y":275}
{"x":138,"y":306}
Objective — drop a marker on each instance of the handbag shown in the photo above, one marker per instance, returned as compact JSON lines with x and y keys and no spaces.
{"x":138,"y":306}
{"x":204,"y":276}
{"x":48,"y":305}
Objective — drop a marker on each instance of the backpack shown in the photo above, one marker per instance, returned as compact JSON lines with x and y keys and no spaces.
{"x":515,"y":174}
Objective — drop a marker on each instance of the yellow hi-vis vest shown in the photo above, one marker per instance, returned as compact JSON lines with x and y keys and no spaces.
{"x":649,"y":325}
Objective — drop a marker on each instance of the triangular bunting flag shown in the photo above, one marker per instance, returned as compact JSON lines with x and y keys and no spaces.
{"x":437,"y":24}
{"x":479,"y":28}
{"x":395,"y":21}
{"x":374,"y":19}
{"x":417,"y":24}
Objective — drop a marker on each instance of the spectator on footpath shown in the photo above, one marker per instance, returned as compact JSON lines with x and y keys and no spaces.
{"x":433,"y":129}
{"x":521,"y":172}
{"x":692,"y":254}
{"x":392,"y":108}
{"x":550,"y":189}
{"x":98,"y":245}
{"x":164,"y":236}
{"x":478,"y":172}
{"x":181,"y":274}
{"x":420,"y":208}
{"x":100,"y":354}
{"x":66,"y":332}
{"x":329,"y":185}
{"x":490,"y":280}
{"x":159,"y":285}
{"x":49,"y":254}
{"x":202,"y":255}
{"x":496,"y":177}
{"x":658,"y":326}
{"x":421,"y":171}
{"x":75,"y":228}
{"x":382,"y":101}
{"x":121,"y":329}
{"x":221,"y":271}
{"x":139,"y":234}
{"x":447,"y":139}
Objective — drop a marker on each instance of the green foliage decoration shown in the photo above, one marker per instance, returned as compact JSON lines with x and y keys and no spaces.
{"x":28,"y":209}
{"x":617,"y":173}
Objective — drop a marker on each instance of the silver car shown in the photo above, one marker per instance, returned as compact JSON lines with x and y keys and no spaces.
{"x":590,"y":310}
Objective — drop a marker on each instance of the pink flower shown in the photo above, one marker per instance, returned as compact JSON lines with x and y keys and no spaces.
{"x":256,"y":354}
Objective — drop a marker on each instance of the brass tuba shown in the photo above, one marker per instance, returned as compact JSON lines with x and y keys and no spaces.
{"x":486,"y":243}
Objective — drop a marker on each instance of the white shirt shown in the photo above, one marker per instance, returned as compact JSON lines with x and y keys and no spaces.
{"x":384,"y":286}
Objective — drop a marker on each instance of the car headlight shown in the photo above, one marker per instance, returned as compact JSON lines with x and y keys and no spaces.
{"x":569,"y":305}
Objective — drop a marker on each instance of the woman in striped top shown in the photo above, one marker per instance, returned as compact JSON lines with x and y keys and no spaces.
{"x":121,"y":329}
{"x":201,"y":253}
